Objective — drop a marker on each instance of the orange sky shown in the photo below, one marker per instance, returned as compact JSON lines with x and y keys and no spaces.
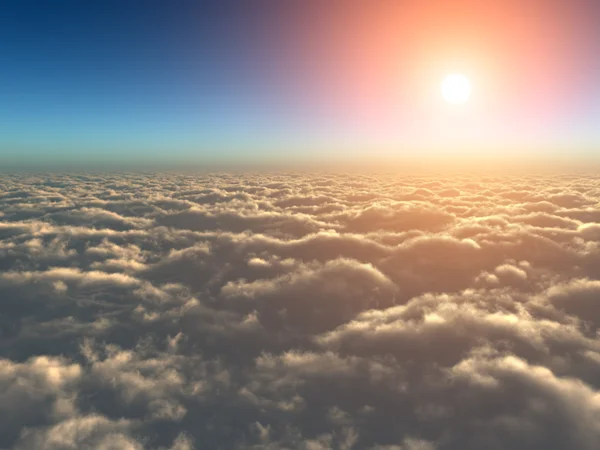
{"x":380,"y":63}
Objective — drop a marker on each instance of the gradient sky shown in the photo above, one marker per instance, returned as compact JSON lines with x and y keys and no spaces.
{"x":112,"y":80}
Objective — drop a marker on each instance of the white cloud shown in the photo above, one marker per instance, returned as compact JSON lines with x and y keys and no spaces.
{"x":273,"y":311}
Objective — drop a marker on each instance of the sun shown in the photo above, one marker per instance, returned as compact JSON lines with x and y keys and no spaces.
{"x":456,"y":88}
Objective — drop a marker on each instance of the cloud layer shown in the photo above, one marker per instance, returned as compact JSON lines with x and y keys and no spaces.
{"x":296,"y":311}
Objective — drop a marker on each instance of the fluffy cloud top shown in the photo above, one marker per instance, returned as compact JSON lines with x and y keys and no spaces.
{"x":297,"y":311}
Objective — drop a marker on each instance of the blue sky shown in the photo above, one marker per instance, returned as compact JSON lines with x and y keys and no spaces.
{"x":126,"y":77}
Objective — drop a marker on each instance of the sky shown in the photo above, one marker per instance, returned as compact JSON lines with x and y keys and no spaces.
{"x":258,"y":80}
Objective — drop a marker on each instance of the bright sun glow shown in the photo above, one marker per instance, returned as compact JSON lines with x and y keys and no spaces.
{"x":456,"y":88}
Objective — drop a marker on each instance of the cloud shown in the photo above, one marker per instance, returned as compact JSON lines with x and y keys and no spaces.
{"x":91,"y":431}
{"x":299,"y":311}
